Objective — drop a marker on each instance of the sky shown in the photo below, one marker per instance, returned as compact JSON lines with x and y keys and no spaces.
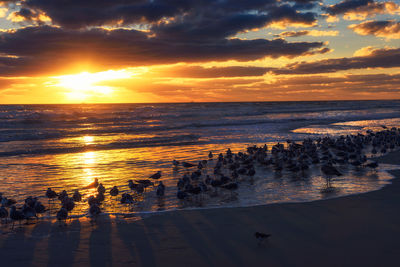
{"x":148,"y":51}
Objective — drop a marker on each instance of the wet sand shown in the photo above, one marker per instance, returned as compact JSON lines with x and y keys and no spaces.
{"x":358,"y":230}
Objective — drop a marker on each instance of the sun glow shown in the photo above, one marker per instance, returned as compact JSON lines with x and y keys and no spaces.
{"x":85,"y":85}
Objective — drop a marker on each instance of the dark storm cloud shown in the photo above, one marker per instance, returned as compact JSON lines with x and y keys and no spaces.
{"x":362,"y":8}
{"x":214,"y":72}
{"x":347,"y":5}
{"x":43,"y":47}
{"x":233,"y":15}
{"x":384,"y":28}
{"x":379,"y":58}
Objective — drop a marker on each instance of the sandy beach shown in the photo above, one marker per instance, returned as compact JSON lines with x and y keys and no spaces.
{"x":358,"y":230}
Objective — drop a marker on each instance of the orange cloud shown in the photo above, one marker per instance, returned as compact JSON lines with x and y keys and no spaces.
{"x":388,"y":29}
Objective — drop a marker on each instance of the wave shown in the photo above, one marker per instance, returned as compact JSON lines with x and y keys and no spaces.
{"x":178,"y":140}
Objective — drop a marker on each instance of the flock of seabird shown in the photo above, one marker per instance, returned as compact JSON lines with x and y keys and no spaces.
{"x":222,"y":173}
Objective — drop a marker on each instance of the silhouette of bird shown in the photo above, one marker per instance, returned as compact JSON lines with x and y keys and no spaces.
{"x":16,"y":215}
{"x":68,"y":204}
{"x":187,"y":164}
{"x":7,"y":202}
{"x":92,"y":200}
{"x":126,"y":198}
{"x":330,"y":170}
{"x":62,"y":195}
{"x":114,"y":191}
{"x":157,"y":175}
{"x":28,"y":212}
{"x":3,"y":214}
{"x":77,"y":197}
{"x":39,"y":208}
{"x":100,"y":197}
{"x":160,"y":189}
{"x":62,"y":215}
{"x":95,"y":184}
{"x":50,"y":194}
{"x":101,"y":189}
{"x":94,"y":212}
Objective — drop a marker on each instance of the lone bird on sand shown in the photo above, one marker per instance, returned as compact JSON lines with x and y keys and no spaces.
{"x":261,"y":237}
{"x":157,"y":175}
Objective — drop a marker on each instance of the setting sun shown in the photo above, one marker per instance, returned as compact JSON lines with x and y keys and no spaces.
{"x":85,"y":84}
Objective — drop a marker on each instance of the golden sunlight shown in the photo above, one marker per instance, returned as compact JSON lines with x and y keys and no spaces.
{"x":84,"y":85}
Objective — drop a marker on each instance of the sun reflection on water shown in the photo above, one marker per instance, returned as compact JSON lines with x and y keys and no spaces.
{"x":88,"y":140}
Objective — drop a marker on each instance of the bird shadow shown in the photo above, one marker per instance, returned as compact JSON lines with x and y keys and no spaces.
{"x":63,"y":239}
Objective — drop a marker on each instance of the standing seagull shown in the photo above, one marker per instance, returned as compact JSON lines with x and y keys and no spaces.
{"x":160,"y":189}
{"x":77,"y":197}
{"x":62,"y":215}
{"x":94,"y":211}
{"x":101,"y":189}
{"x":3,"y":214}
{"x":16,"y":215}
{"x":95,"y":184}
{"x":114,"y":191}
{"x":50,"y":194}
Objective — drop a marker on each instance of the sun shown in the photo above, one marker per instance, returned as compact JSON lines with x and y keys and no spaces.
{"x":85,"y":85}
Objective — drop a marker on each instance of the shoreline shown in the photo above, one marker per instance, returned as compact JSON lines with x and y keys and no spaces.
{"x":359,"y":229}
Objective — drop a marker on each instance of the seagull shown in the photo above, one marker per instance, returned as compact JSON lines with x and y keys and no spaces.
{"x":187,"y":164}
{"x":63,"y":195}
{"x":3,"y":213}
{"x":95,"y":184}
{"x":50,"y":194}
{"x":261,"y":237}
{"x":330,"y":170}
{"x":68,"y":204}
{"x":77,"y":197}
{"x":101,"y":189}
{"x":157,"y":175}
{"x":175,"y":163}
{"x":28,"y":212}
{"x":160,"y":189}
{"x":39,"y":207}
{"x":94,"y":211}
{"x":62,"y":215}
{"x":126,"y":199}
{"x":16,"y":215}
{"x":114,"y":191}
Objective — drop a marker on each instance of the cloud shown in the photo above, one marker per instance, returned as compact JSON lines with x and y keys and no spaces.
{"x":361,"y":9}
{"x":312,"y":87}
{"x":230,"y":14}
{"x":388,"y":29}
{"x":210,"y":72}
{"x":378,"y":58}
{"x":43,"y":48}
{"x":315,"y":33}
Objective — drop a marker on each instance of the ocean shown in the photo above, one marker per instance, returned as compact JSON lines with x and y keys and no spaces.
{"x":65,"y":147}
